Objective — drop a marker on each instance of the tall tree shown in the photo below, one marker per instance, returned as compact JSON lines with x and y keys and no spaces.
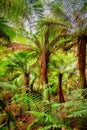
{"x":74,"y":12}
{"x":46,"y":43}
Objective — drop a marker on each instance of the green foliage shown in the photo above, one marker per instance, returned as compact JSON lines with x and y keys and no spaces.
{"x":48,"y":120}
{"x":78,"y":104}
{"x":37,"y":6}
{"x":19,"y":64}
{"x":29,"y":101}
{"x":6,"y":32}
{"x":52,"y":34}
{"x":14,"y":7}
{"x":8,"y":86}
{"x":21,"y":15}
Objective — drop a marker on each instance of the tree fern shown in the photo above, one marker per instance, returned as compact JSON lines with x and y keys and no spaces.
{"x":78,"y":106}
{"x":29,"y":101}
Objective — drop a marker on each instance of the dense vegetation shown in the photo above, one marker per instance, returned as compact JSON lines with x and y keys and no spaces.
{"x":43,"y":65}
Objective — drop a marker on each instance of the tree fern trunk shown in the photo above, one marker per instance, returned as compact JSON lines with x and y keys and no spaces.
{"x":82,"y":60}
{"x":43,"y":78}
{"x":26,"y":81}
{"x":60,"y":91}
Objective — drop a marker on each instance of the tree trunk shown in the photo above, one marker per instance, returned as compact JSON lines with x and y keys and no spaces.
{"x":82,"y":60}
{"x":26,"y":81}
{"x":43,"y":78}
{"x":60,"y":91}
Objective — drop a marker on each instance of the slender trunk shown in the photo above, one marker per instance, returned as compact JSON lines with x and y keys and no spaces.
{"x":26,"y":81}
{"x":82,"y":60}
{"x":60,"y":91}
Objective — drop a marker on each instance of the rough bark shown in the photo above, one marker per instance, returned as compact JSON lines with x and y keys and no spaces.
{"x":82,"y":40}
{"x":44,"y":60}
{"x":43,"y":78}
{"x":60,"y":91}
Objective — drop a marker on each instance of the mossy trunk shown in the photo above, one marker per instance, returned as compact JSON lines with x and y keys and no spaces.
{"x":60,"y":90}
{"x":43,"y":77}
{"x":82,"y":60}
